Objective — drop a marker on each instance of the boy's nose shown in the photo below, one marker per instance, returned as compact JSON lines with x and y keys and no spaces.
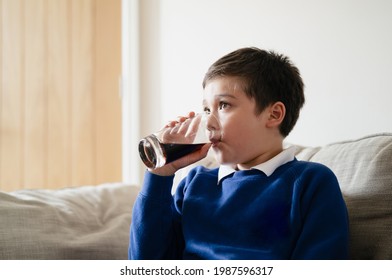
{"x":212,"y":123}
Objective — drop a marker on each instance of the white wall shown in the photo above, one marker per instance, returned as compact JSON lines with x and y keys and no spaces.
{"x":342,"y":48}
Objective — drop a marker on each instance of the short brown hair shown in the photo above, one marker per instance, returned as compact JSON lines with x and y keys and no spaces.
{"x":268,"y":78}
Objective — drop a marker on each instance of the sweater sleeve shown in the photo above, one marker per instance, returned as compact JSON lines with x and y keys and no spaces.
{"x":155,"y":229}
{"x":325,"y":226}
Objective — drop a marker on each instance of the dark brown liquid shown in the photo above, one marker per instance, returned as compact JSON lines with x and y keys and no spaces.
{"x":154,"y":153}
{"x":176,"y":151}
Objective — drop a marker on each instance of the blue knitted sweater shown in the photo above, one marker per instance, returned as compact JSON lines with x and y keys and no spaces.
{"x":296,"y":213}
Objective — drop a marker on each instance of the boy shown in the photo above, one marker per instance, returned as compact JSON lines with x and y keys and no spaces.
{"x":261,"y":203}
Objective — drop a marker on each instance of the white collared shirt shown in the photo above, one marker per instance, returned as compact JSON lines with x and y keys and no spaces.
{"x":267,"y":167}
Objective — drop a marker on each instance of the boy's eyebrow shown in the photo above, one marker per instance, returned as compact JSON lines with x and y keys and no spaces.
{"x":223,"y":95}
{"x":227,"y":95}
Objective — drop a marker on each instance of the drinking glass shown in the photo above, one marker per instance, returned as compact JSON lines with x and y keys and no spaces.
{"x":176,"y":141}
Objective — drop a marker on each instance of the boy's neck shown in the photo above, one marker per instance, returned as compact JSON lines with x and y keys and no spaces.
{"x":275,"y":148}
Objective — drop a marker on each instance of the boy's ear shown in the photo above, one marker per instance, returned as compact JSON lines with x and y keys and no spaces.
{"x":277,"y":112}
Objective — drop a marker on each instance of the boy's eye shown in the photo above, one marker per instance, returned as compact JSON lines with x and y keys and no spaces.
{"x":223,"y":105}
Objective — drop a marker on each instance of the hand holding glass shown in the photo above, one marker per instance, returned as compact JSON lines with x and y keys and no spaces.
{"x":175,"y":140}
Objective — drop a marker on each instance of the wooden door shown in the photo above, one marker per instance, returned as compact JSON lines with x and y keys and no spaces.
{"x":60,"y":111}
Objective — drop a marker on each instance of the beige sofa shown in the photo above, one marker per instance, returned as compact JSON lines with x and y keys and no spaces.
{"x":92,"y":222}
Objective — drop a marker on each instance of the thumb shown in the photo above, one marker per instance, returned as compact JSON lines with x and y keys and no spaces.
{"x":193,"y":157}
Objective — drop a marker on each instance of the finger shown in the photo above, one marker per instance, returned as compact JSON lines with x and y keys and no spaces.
{"x":171,"y":124}
{"x":193,"y":126}
{"x":199,"y":154}
{"x":191,"y":158}
{"x":175,"y":128}
{"x":183,"y":127}
{"x":189,"y":126}
{"x":185,"y":118}
{"x":181,"y":119}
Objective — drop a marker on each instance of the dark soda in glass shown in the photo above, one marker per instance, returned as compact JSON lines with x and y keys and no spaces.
{"x":155,"y":154}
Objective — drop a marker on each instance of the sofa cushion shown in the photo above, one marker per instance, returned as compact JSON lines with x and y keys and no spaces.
{"x":364,"y":171}
{"x":89,"y":222}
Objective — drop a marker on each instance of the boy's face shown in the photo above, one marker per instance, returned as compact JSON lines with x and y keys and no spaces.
{"x":244,"y":137}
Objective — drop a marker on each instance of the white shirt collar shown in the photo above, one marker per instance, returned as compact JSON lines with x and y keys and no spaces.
{"x":267,"y":167}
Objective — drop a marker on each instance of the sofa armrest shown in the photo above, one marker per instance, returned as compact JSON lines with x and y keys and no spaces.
{"x":89,"y":222}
